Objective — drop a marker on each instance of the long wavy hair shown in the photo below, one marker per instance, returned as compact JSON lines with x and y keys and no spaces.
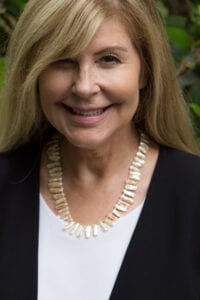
{"x":49,"y":29}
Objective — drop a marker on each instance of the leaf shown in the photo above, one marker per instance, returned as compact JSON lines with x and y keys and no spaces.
{"x":15,"y":6}
{"x":196,"y":109}
{"x":163,"y":9}
{"x":2,"y":9}
{"x":198,"y":141}
{"x":188,"y":79}
{"x":176,"y":21}
{"x":194,"y":92}
{"x":179,"y":37}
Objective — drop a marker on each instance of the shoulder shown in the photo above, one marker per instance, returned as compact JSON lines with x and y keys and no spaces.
{"x":180,"y":172}
{"x":16,"y":164}
{"x":179,"y":161}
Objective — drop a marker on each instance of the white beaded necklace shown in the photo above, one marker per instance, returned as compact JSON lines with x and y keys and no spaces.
{"x":127,"y":198}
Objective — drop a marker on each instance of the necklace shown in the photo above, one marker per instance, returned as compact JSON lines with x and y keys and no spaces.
{"x":127,"y":198}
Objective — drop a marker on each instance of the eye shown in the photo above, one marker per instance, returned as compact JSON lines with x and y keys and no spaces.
{"x":110,"y":59}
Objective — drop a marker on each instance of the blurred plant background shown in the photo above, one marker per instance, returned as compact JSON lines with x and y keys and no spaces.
{"x":9,"y":13}
{"x":182,"y":21}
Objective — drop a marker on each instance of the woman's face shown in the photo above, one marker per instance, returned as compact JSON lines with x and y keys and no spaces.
{"x":91,"y":99}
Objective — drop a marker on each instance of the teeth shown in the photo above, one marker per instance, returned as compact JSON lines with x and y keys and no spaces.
{"x":87,"y":113}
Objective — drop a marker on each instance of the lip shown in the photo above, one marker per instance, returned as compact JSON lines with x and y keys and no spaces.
{"x":91,"y":115}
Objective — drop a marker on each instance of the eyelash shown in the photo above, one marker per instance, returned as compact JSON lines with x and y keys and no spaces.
{"x":113,"y":59}
{"x":108,"y":59}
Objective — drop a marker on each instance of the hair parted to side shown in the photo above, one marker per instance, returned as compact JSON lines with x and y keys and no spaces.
{"x":50,"y":29}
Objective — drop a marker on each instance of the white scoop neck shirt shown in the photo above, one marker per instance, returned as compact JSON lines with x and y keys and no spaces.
{"x":80,"y":269}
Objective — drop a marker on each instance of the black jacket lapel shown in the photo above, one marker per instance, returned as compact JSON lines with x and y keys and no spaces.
{"x":156,"y":263}
{"x":19,"y":226}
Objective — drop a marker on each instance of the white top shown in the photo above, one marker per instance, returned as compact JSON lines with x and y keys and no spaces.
{"x":80,"y":269}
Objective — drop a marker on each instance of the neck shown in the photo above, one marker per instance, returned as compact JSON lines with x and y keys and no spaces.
{"x":100,"y":162}
{"x":126,"y":200}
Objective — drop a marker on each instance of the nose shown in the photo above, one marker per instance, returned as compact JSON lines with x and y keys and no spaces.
{"x":85,"y":82}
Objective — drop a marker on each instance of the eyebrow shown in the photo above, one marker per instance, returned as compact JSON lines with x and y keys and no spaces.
{"x":114,"y":48}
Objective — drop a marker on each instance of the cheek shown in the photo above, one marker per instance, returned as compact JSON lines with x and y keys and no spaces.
{"x":125,"y":87}
{"x":127,"y":76}
{"x":52,"y":85}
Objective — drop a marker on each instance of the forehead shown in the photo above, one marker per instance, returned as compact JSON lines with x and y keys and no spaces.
{"x":111,"y":33}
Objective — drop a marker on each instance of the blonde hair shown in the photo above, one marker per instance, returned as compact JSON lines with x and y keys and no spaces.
{"x":47,"y":29}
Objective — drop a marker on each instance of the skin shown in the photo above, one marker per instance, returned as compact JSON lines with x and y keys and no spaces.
{"x":97,"y":147}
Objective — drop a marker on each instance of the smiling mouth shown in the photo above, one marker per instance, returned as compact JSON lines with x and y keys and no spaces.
{"x":86,"y":113}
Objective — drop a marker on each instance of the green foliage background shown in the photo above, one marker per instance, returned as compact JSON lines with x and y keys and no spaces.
{"x":182,"y":22}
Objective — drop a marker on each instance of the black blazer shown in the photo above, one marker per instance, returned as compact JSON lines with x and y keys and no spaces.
{"x":162,"y":261}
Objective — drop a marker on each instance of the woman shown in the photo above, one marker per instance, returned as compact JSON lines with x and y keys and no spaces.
{"x":99,"y":194}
